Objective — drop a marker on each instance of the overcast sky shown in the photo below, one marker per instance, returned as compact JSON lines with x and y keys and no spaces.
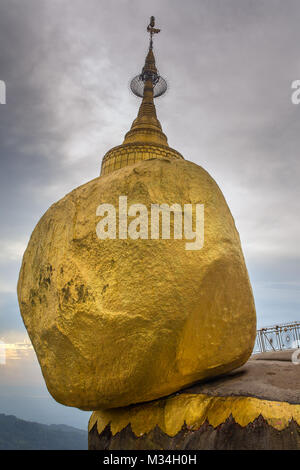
{"x":229,"y":65}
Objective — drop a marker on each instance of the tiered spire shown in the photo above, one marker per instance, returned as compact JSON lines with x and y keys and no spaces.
{"x":145,"y":139}
{"x":146,"y":127}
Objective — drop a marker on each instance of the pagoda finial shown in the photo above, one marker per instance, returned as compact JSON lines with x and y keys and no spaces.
{"x":149,"y":71}
{"x":152,"y":30}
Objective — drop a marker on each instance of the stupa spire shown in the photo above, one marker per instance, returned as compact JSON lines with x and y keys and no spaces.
{"x":145,"y":139}
{"x":146,"y":127}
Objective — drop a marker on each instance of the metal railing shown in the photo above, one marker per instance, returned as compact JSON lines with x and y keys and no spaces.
{"x":278,"y":337}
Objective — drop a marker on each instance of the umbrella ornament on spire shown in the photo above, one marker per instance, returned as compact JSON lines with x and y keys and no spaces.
{"x":149,"y":71}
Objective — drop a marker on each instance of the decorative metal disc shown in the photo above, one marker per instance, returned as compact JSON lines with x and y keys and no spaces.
{"x":137,"y":87}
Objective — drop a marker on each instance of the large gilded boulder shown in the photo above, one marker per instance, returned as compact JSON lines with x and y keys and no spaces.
{"x":122,"y":321}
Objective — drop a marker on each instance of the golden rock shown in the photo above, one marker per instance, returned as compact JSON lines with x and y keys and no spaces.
{"x":122,"y":321}
{"x":116,"y":322}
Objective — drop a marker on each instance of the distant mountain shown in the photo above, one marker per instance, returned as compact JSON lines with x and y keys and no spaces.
{"x":16,"y":434}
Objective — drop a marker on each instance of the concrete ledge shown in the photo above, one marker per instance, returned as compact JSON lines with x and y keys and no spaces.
{"x":285,"y":355}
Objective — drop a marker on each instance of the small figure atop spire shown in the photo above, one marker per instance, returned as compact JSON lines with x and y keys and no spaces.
{"x":152,"y":30}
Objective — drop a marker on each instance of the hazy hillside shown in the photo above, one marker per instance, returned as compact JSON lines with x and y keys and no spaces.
{"x":18,"y":434}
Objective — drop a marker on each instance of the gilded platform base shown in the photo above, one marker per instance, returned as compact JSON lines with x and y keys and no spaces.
{"x":255,"y":407}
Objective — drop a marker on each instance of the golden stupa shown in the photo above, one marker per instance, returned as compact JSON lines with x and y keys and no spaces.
{"x":124,"y":320}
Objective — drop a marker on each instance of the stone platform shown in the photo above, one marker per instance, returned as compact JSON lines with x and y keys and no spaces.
{"x":254,"y":407}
